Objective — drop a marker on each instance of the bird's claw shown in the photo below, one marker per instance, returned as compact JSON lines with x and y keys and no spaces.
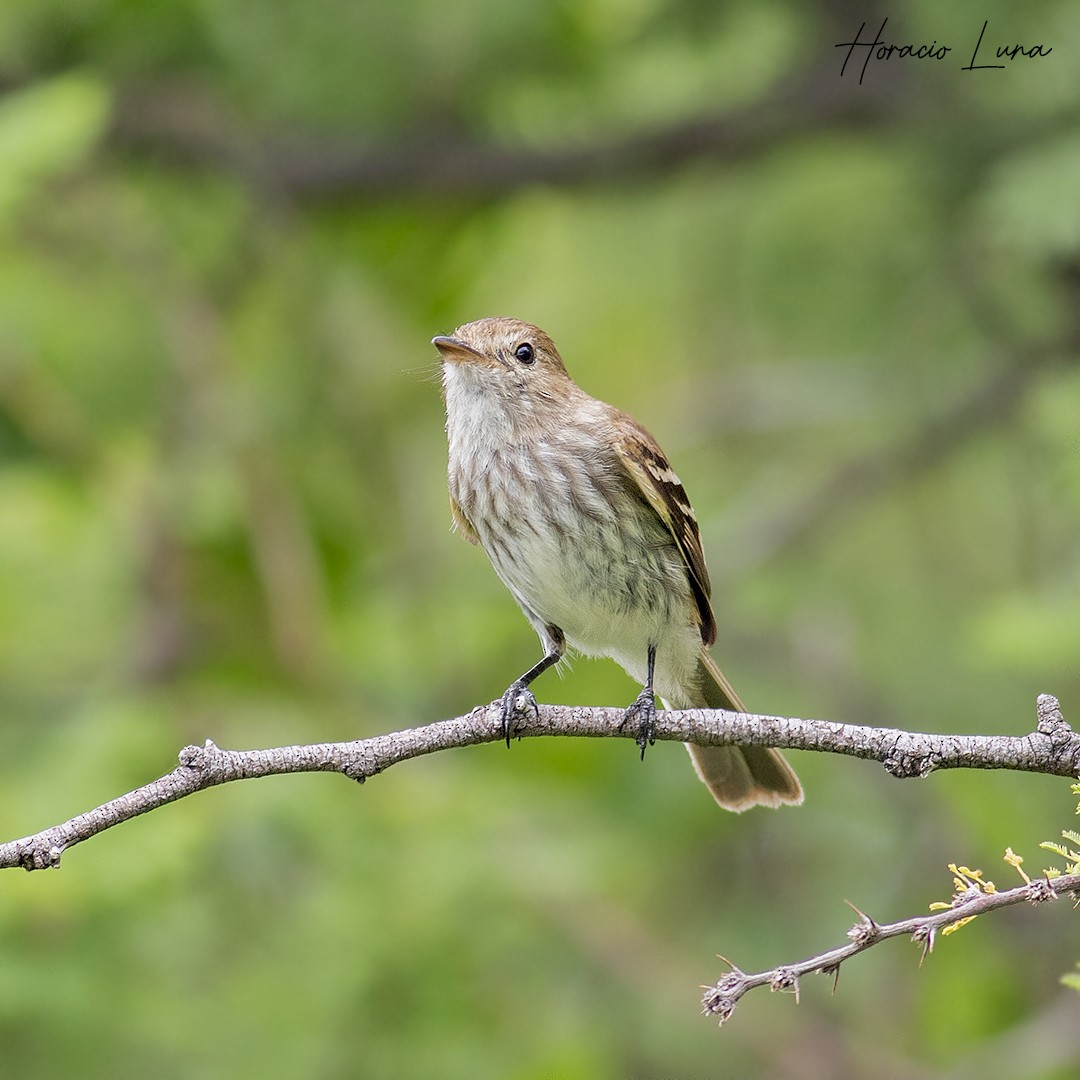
{"x":517,"y":701}
{"x":644,"y":709}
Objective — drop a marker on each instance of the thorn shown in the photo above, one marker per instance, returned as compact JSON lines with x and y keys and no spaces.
{"x":927,"y":936}
{"x":861,"y":914}
{"x":733,"y":968}
{"x":865,"y":931}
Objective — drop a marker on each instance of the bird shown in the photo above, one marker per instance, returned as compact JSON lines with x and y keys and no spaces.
{"x":590,"y":529}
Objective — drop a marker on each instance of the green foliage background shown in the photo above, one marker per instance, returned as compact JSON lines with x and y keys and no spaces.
{"x":223,"y":514}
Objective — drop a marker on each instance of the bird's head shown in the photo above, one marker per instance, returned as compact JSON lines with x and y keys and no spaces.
{"x":504,"y":358}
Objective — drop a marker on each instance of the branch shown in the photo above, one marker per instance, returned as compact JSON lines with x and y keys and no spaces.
{"x":862,"y":478}
{"x":191,"y":126}
{"x":720,"y":1000}
{"x":1053,"y":749}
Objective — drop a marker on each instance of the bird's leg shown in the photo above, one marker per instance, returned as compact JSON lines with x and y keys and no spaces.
{"x":644,"y":708}
{"x":518,"y":697}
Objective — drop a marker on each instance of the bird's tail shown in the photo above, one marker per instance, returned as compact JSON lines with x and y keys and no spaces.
{"x":739,"y":776}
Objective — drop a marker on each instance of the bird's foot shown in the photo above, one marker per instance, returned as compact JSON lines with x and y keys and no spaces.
{"x":517,"y":701}
{"x":644,"y":711}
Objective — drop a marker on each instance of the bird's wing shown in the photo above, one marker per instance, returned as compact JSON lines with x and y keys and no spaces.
{"x":663,"y":491}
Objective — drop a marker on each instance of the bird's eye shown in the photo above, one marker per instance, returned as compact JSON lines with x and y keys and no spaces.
{"x":524,"y":353}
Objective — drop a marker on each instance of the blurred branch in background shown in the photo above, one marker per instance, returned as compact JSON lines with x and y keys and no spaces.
{"x":993,"y":401}
{"x":183,"y":124}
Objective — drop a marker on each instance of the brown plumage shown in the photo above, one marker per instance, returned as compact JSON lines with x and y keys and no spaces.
{"x":591,"y":530}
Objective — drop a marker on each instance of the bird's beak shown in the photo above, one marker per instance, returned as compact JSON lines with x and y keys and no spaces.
{"x":456,"y":352}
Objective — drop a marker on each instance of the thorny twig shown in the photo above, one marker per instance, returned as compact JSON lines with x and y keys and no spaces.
{"x":720,"y":1000}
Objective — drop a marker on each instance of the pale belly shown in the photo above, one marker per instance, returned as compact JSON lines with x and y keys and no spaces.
{"x":610,"y":577}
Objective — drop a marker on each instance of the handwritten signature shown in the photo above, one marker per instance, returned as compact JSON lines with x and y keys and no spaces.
{"x":879,"y":49}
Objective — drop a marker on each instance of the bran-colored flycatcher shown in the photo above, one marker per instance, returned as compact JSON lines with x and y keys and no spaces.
{"x":590,"y":529}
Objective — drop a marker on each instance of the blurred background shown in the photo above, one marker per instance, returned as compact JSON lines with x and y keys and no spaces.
{"x":228,"y":231}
